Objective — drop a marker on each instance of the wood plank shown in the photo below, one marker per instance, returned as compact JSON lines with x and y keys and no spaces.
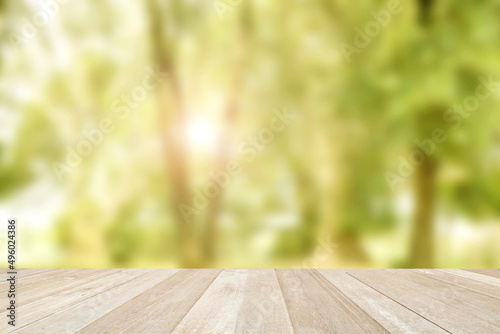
{"x":28,"y":290}
{"x":482,"y":306}
{"x":484,"y":288}
{"x":32,"y":271}
{"x":391,"y":315}
{"x":159,"y":309}
{"x":22,"y":275}
{"x":473,"y":276}
{"x":54,"y":302}
{"x":27,"y":277}
{"x":29,"y":274}
{"x":256,"y":301}
{"x":434,"y":307}
{"x":317,"y":306}
{"x":76,"y":317}
{"x":240,"y":301}
{"x":58,"y":282}
{"x":35,"y":271}
{"x":297,"y":300}
{"x":54,"y":278}
{"x":217,"y":310}
{"x":487,"y":272}
{"x":263,"y":309}
{"x":35,"y":288}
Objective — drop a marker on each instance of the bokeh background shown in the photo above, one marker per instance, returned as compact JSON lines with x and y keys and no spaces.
{"x":251,"y":133}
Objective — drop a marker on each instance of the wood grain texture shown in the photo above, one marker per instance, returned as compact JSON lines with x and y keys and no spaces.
{"x":473,"y":276}
{"x":76,"y":317}
{"x":254,"y":301}
{"x":487,"y":272}
{"x":241,"y":301}
{"x":328,"y":309}
{"x":436,"y":306}
{"x":35,"y":300}
{"x":159,"y":309}
{"x":480,"y":305}
{"x":468,"y":283}
{"x":391,"y":315}
{"x":24,"y":273}
{"x":27,"y":278}
{"x":60,"y":281}
{"x":60,"y":300}
{"x":29,"y":275}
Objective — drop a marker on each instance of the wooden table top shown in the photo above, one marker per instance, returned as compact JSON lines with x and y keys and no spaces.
{"x":254,"y":301}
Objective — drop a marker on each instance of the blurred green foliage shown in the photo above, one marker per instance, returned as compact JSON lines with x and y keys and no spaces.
{"x":328,"y":181}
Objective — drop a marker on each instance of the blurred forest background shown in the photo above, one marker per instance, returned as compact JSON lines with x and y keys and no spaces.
{"x":251,"y":133}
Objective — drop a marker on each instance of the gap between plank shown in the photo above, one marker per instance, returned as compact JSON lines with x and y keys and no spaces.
{"x":38,"y":273}
{"x":346,"y":298}
{"x":185,"y":314}
{"x":284,"y":301}
{"x":73,"y":305}
{"x":457,"y":285}
{"x":398,"y":302}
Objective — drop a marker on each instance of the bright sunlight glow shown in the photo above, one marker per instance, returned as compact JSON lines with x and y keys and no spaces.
{"x":201,"y":134}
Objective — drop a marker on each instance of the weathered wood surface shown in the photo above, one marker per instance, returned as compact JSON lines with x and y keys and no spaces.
{"x":254,"y":301}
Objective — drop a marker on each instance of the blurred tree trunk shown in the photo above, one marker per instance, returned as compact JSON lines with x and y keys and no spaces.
{"x":209,"y":237}
{"x":170,"y":125}
{"x":422,"y":239}
{"x":309,"y":215}
{"x":350,"y":248}
{"x":422,"y":243}
{"x":347,"y":233}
